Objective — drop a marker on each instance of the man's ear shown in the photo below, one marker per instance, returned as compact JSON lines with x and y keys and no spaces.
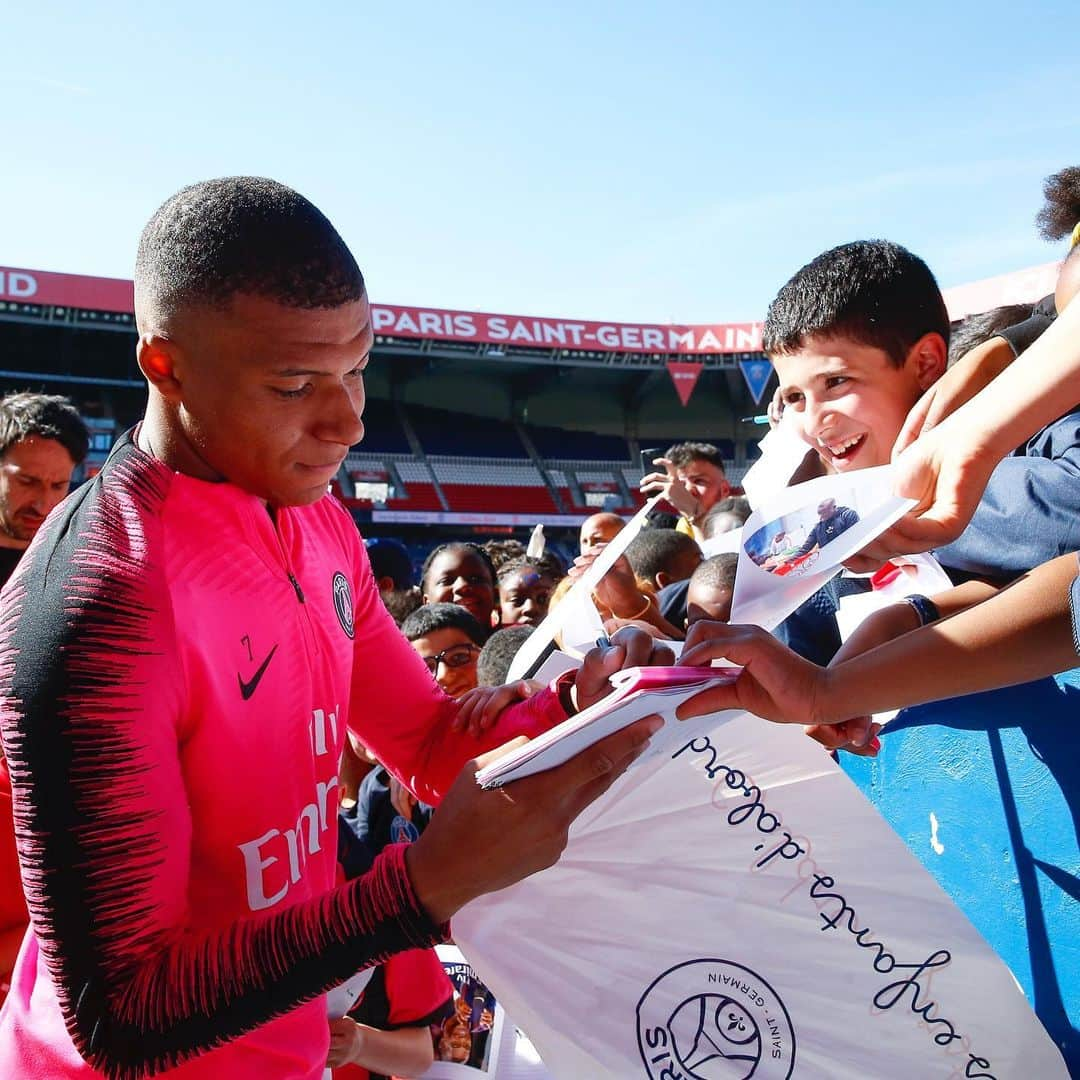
{"x":662,"y":578}
{"x":157,"y":358}
{"x":928,"y":358}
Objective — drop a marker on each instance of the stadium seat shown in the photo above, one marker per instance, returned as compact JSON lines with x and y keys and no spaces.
{"x":557,"y":444}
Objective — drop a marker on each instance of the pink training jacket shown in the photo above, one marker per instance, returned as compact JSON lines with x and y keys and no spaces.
{"x":176,"y":671}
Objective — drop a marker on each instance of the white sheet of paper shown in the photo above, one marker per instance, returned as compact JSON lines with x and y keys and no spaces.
{"x":558,"y":663}
{"x":622,"y":707}
{"x":538,"y":640}
{"x":738,"y":886}
{"x":765,"y":597}
{"x":783,"y":450}
{"x":724,"y":544}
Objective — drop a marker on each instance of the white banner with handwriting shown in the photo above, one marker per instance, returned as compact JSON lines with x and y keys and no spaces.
{"x":735,"y":908}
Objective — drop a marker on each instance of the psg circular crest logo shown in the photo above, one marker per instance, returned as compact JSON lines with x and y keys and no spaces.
{"x":714,"y":1020}
{"x":343,"y":602}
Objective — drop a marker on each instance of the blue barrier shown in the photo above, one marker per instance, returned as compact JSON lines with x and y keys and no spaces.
{"x":1000,"y":773}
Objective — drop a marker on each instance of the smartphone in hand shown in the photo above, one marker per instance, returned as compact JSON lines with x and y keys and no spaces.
{"x":648,"y":457}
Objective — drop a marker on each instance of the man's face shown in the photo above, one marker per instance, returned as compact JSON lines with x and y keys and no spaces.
{"x":849,"y":401}
{"x":35,"y":475}
{"x":705,"y":482}
{"x":707,"y":602}
{"x":826,"y":509}
{"x":524,"y":597}
{"x":598,"y":530}
{"x":455,"y":671}
{"x":270,"y":397}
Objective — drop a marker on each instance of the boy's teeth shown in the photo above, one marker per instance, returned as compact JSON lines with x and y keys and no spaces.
{"x":840,"y":447}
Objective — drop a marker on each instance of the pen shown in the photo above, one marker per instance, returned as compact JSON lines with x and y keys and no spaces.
{"x":754,"y":420}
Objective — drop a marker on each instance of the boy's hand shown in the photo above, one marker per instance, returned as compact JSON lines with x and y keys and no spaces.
{"x":673,"y":489}
{"x":859,"y":735}
{"x":480,"y":707}
{"x":618,"y":589}
{"x":346,"y":1043}
{"x":521,"y":828}
{"x":402,"y":799}
{"x":946,"y":470}
{"x":775,"y":411}
{"x":970,"y":374}
{"x":775,"y":683}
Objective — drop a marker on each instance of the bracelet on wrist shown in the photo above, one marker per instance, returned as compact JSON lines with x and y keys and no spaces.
{"x":925,"y":608}
{"x":638,"y":614}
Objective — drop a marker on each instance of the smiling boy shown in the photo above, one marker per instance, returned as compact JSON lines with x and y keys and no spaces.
{"x":856,"y":336}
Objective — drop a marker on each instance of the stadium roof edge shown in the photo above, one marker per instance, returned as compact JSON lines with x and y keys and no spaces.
{"x":19,"y":285}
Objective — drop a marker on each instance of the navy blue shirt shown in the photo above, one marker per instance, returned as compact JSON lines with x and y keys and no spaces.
{"x":829,"y":529}
{"x":1030,"y":512}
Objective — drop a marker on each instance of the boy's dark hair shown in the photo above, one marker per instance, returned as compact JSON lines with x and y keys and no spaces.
{"x":973,"y":330}
{"x":457,"y":545}
{"x":48,"y":416}
{"x":498,"y":654}
{"x":401,"y":603}
{"x":547,"y":564}
{"x":735,"y":506}
{"x":660,"y":519}
{"x":390,"y":558}
{"x":432,"y":617}
{"x":717,"y":572}
{"x":682,"y":454}
{"x":243,"y":234}
{"x":655,"y":551}
{"x":502,"y":551}
{"x":871,"y":292}
{"x":1061,"y":211}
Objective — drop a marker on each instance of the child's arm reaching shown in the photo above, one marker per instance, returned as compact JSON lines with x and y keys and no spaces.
{"x":1024,"y":632}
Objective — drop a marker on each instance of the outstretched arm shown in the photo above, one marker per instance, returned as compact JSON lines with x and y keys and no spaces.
{"x":947,"y":469}
{"x":1023,"y":632}
{"x":400,"y":714}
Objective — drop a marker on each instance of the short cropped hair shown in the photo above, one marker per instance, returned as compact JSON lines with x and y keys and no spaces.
{"x":655,"y":551}
{"x":432,"y":617}
{"x":242,"y":234}
{"x":1060,"y":213}
{"x":401,"y":603}
{"x":547,"y":565}
{"x":48,"y":416}
{"x":737,"y":506}
{"x":974,"y":330}
{"x":457,"y":545}
{"x":717,"y":572}
{"x":871,"y":292}
{"x":503,"y":551}
{"x":660,"y":519}
{"x":682,"y":454}
{"x":498,"y":654}
{"x":390,"y":558}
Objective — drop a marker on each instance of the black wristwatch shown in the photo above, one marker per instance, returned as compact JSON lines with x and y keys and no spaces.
{"x":924,"y":607}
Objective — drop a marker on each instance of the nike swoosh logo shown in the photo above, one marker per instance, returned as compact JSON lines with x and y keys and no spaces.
{"x":248,"y":688}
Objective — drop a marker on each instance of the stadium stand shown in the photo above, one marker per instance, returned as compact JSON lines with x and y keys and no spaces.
{"x":504,"y":419}
{"x":559,"y":444}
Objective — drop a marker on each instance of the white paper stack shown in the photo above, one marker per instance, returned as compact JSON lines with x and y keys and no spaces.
{"x":639,"y":692}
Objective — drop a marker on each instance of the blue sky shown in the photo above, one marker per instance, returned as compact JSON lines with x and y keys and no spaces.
{"x":632,"y":161}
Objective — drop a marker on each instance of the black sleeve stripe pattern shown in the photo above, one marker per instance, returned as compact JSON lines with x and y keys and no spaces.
{"x":79,"y":626}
